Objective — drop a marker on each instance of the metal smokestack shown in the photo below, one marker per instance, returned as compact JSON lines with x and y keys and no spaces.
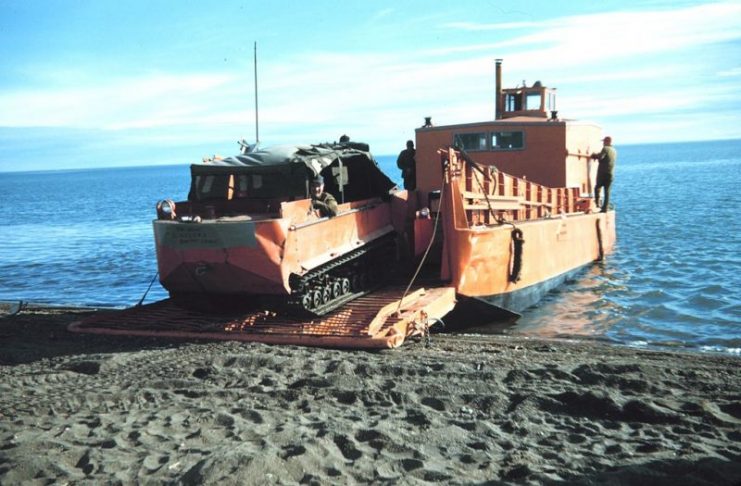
{"x":498,"y":99}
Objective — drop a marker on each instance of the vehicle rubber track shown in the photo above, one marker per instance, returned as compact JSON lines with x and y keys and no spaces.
{"x":354,"y":274}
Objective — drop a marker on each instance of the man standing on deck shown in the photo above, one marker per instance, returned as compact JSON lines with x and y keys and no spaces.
{"x":408,"y":166}
{"x":606,"y":158}
{"x":322,"y":201}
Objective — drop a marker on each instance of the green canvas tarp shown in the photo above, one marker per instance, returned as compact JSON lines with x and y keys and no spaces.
{"x":349,"y":170}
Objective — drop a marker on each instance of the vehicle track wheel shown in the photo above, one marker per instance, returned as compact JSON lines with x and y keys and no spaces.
{"x":316,"y":298}
{"x":344,"y":286}
{"x":327,"y":294}
{"x":336,"y":289}
{"x":307,"y":301}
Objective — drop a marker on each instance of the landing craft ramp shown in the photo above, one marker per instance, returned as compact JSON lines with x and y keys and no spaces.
{"x":374,"y":321}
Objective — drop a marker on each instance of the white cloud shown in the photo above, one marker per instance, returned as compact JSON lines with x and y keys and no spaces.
{"x":613,"y":35}
{"x":730,"y":73}
{"x":478,"y":27}
{"x":381,"y":14}
{"x":383,"y":96}
{"x":111,"y":103}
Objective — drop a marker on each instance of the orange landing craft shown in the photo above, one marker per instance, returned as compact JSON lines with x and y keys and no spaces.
{"x":502,"y":213}
{"x":515,"y":199}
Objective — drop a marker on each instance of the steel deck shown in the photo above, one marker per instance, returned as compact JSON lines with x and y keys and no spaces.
{"x":371,"y":321}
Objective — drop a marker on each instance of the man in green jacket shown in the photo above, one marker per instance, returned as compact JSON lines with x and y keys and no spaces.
{"x":322,"y":201}
{"x":606,"y":159}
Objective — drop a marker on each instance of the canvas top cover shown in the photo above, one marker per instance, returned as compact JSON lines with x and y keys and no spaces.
{"x":349,"y":170}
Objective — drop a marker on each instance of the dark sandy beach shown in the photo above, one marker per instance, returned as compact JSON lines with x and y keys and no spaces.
{"x":87,"y":409}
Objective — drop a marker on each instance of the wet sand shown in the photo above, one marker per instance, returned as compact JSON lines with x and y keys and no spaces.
{"x":87,"y":409}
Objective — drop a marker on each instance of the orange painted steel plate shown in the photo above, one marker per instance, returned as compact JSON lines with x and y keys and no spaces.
{"x":371,"y":321}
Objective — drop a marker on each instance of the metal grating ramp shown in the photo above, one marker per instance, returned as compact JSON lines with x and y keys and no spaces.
{"x":372,"y":321}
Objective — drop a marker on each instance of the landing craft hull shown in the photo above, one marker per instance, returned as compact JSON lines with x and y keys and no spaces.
{"x":539,"y":238}
{"x":554,"y":250}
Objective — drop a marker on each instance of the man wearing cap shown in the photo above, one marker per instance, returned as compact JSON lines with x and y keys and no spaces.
{"x":322,"y":201}
{"x":606,"y":159}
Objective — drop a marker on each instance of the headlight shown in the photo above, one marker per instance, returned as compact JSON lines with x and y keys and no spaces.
{"x":166,"y":209}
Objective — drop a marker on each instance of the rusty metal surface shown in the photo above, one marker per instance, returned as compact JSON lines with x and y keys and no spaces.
{"x":348,"y":327}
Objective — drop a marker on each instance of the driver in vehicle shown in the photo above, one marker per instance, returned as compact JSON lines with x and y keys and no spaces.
{"x":322,"y":201}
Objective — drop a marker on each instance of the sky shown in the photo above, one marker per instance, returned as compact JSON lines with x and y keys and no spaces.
{"x":108,"y":83}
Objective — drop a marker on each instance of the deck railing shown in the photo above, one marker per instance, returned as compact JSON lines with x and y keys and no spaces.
{"x":492,"y":197}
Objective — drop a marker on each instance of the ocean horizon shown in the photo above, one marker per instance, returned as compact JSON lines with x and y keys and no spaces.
{"x":192,"y":154}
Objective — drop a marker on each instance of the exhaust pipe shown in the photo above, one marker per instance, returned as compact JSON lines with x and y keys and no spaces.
{"x":498,"y":99}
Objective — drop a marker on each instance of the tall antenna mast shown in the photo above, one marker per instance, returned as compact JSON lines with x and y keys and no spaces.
{"x":257,"y":121}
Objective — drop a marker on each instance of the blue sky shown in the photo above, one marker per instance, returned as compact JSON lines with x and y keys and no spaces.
{"x":104,"y":83}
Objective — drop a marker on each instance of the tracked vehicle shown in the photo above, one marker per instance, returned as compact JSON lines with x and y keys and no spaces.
{"x":249,"y":233}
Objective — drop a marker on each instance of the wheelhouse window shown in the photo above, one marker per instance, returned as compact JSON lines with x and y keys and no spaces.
{"x":513,"y":102}
{"x":551,"y":101}
{"x":471,"y":141}
{"x":507,"y":140}
{"x":532,"y":101}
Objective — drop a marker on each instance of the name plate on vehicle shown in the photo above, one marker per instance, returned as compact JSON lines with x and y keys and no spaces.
{"x":187,"y":236}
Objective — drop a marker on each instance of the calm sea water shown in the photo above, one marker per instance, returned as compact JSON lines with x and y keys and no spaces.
{"x":84,"y":237}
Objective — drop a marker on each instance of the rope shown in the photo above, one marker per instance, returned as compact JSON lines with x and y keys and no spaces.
{"x":517,"y":240}
{"x":516,"y":232}
{"x":427,"y":251}
{"x":477,"y":166}
{"x":426,"y":334}
{"x":141,"y":301}
{"x":486,"y":195}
